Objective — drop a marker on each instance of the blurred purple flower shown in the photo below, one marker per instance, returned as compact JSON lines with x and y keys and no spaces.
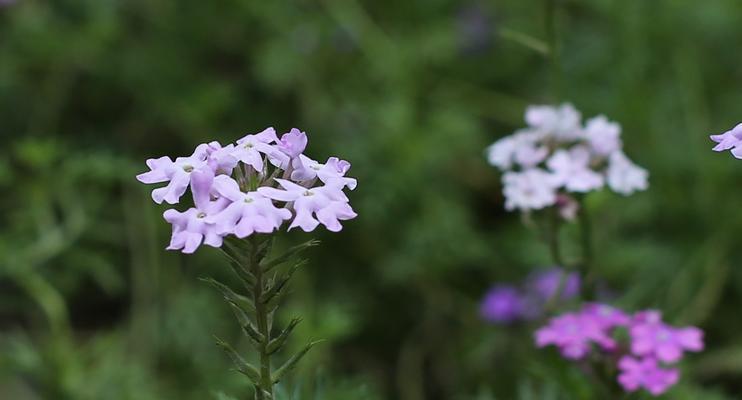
{"x":646,"y":373}
{"x":475,"y":29}
{"x":544,"y":284}
{"x":502,"y":304}
{"x":574,"y":333}
{"x":651,"y":337}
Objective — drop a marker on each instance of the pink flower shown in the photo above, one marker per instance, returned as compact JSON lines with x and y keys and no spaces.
{"x":651,"y":337}
{"x":603,"y":135}
{"x":606,"y":316}
{"x":532,"y":189}
{"x":574,"y":333}
{"x":645,"y":373}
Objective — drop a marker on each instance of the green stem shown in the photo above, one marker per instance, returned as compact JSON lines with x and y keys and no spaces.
{"x":262,"y":316}
{"x":586,"y":244}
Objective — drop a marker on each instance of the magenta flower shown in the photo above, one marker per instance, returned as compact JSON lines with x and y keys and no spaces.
{"x":645,"y":373}
{"x":574,"y":333}
{"x":544,"y":284}
{"x":502,"y":304}
{"x":606,"y":316}
{"x":731,"y":139}
{"x":651,"y":337}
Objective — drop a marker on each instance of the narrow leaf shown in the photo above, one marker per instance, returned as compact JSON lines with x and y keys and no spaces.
{"x":247,"y":325}
{"x":243,"y":302}
{"x":243,"y":366}
{"x":270,"y":264}
{"x":239,"y":269}
{"x":291,"y":363}
{"x":280,"y":283}
{"x":280,"y":340}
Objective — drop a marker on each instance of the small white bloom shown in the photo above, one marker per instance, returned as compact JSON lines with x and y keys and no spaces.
{"x":625,"y":177}
{"x":562,"y":123}
{"x":572,"y":170}
{"x":603,"y":135}
{"x":532,"y":189}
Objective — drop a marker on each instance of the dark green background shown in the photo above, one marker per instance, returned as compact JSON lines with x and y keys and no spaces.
{"x":93,"y":307}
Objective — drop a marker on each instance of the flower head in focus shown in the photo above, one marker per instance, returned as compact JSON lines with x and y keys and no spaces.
{"x":556,"y":156}
{"x":237,"y":189}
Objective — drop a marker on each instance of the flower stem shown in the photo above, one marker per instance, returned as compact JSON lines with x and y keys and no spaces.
{"x":264,"y":391}
{"x":586,"y":244}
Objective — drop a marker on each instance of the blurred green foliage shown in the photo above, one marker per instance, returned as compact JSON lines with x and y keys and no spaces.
{"x":92,"y":307}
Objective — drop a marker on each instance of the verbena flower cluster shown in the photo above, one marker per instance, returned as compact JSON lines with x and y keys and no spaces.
{"x":731,"y":139}
{"x":506,"y":303}
{"x":644,"y":360}
{"x":251,"y":186}
{"x":556,"y":156}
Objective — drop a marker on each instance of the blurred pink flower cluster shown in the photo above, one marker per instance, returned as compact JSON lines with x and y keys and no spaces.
{"x":557,"y":155}
{"x":644,"y":360}
{"x":251,"y":186}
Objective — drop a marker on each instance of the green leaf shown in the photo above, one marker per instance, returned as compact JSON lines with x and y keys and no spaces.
{"x":247,"y":326}
{"x":238,"y":266}
{"x":270,"y":264}
{"x":291,"y":363}
{"x":243,"y":366}
{"x":280,"y":340}
{"x":242,"y":302}
{"x":272,"y":295}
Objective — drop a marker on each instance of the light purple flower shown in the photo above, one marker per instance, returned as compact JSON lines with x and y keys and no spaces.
{"x":571,"y":169}
{"x":190,"y":228}
{"x":502,"y":304}
{"x":293,"y":143}
{"x":220,"y":159}
{"x":177,"y":173}
{"x":645,"y":373}
{"x":327,"y":203}
{"x":625,"y":177}
{"x":544,"y":284}
{"x":574,"y":333}
{"x":651,"y":337}
{"x":532,"y":189}
{"x":251,"y":148}
{"x":332,"y":170}
{"x":731,"y":139}
{"x":603,"y":135}
{"x":248,"y":213}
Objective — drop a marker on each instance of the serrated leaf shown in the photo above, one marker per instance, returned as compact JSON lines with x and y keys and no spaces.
{"x":280,"y":340}
{"x":270,"y":264}
{"x":291,"y":363}
{"x":242,"y":302}
{"x":238,"y":267}
{"x":280,"y":283}
{"x":243,"y":366}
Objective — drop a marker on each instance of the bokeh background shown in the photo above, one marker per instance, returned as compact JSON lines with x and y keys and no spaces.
{"x":411,"y":92}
